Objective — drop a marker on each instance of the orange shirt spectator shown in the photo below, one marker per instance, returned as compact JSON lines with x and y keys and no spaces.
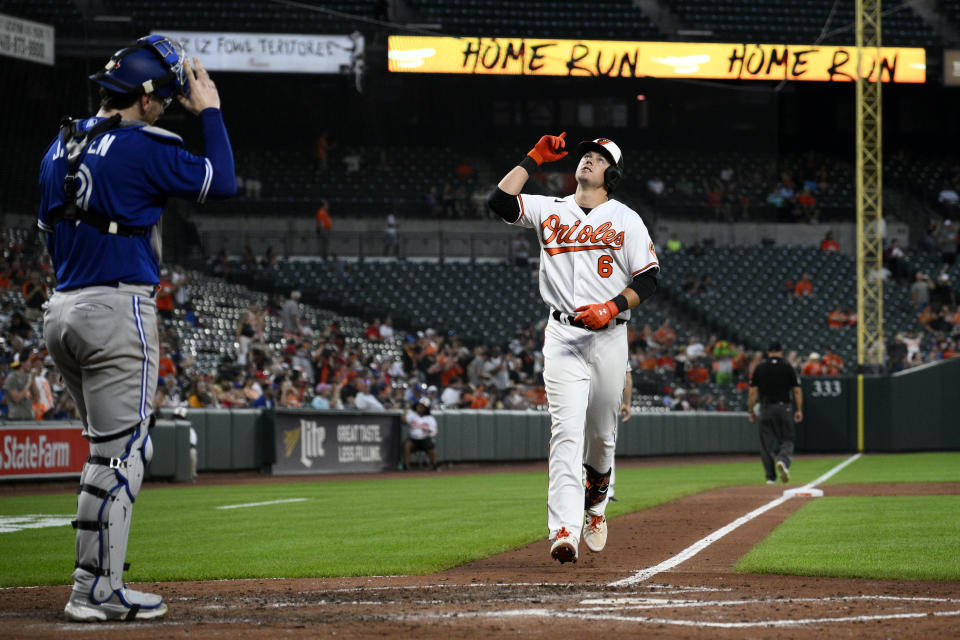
{"x":837,"y":318}
{"x":829,"y":244}
{"x":478,"y":399}
{"x":803,"y":287}
{"x":698,"y":375}
{"x":166,"y":367}
{"x":665,"y":361}
{"x":665,"y":335}
{"x":323,"y":219}
{"x":649,"y":362}
{"x":813,"y":366}
{"x":833,"y":363}
{"x":165,"y":296}
{"x":851,"y":318}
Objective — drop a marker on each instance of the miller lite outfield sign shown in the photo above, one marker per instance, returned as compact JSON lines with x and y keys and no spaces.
{"x":41,"y":450}
{"x":308,"y":442}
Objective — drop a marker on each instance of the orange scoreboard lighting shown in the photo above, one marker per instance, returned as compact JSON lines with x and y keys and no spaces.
{"x":619,"y":59}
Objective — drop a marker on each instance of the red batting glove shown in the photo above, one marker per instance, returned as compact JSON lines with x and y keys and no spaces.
{"x":596,"y":316}
{"x":548,"y":149}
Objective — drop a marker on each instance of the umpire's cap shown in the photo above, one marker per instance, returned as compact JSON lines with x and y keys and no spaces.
{"x":774,"y":346}
{"x":153,"y":65}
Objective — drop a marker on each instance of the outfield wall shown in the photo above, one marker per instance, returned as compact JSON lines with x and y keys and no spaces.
{"x":912,"y":410}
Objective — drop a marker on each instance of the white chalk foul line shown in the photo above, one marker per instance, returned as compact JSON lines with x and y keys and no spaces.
{"x":702,"y":544}
{"x":261,"y":504}
{"x":701,"y":623}
{"x":829,"y":474}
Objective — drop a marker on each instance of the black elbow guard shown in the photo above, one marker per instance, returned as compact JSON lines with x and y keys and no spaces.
{"x":504,"y":205}
{"x":645,"y":284}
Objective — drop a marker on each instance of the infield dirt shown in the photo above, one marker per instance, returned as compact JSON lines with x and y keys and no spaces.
{"x":523,"y":593}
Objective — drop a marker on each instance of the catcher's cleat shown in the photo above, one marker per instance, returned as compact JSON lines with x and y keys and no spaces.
{"x":564,"y":548}
{"x":595,"y":533}
{"x":783,"y":471}
{"x":124,"y":604}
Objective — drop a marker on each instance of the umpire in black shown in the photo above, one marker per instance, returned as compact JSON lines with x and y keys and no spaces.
{"x":771,"y":383}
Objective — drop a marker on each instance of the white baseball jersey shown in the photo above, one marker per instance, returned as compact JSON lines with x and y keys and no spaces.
{"x":586,"y":258}
{"x":421,"y":426}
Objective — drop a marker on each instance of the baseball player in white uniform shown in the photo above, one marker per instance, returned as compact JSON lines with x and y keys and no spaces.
{"x":596,"y":263}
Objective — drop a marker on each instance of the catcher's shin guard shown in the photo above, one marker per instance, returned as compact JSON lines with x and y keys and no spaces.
{"x":596,"y":485}
{"x":109,"y":485}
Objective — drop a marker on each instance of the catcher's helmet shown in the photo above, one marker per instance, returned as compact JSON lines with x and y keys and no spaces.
{"x":614,"y":173}
{"x":153,"y":65}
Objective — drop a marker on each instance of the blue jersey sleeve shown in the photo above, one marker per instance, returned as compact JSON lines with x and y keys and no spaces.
{"x":177,"y":172}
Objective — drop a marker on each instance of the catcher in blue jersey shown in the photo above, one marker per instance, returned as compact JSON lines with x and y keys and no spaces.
{"x":104,"y":182}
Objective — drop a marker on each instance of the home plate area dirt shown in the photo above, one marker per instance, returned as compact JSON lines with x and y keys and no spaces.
{"x":523,"y":593}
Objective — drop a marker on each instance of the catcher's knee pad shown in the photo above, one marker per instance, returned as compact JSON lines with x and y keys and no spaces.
{"x":596,"y":485}
{"x":109,"y":485}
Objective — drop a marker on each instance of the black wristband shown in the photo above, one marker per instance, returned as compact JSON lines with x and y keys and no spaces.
{"x":621,"y":302}
{"x":529,"y":164}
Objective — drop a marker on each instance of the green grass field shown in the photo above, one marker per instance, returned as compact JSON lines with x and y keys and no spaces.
{"x":912,"y":538}
{"x":374,"y":526}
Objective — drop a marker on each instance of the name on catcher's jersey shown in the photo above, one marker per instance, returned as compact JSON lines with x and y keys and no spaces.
{"x":586,"y":258}
{"x":126,"y":174}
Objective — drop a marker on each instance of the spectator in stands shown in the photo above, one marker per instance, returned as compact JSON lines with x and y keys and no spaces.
{"x":321,"y":147}
{"x":947,"y":242}
{"x":832,"y":363}
{"x":323,"y":226}
{"x":165,"y":290}
{"x":690,"y":285}
{"x":697,"y":373}
{"x":34,"y":295}
{"x":897,"y":352}
{"x":836,"y":318}
{"x":895,"y":259}
{"x":665,"y":335}
{"x":920,"y":291}
{"x":926,"y":317}
{"x":290,"y":316}
{"x":803,"y":288}
{"x":805,"y":207}
{"x":948,"y":197}
{"x":851,"y":317}
{"x":452,"y":393}
{"x":829,"y":243}
{"x":19,"y":387}
{"x":372,"y":331}
{"x":673,"y":244}
{"x":656,"y":187}
{"x":942,"y":294}
{"x":386,"y":329}
{"x":351,"y":162}
{"x":813,"y":366}
{"x":165,"y":365}
{"x":249,"y":330}
{"x":200,"y":396}
{"x":391,"y":236}
{"x":694,"y":349}
{"x":364,"y":400}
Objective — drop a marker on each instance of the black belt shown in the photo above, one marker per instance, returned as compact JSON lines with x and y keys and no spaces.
{"x":116,"y":284}
{"x":565,"y":319}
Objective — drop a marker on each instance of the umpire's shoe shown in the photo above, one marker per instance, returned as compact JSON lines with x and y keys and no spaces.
{"x":565,"y":547}
{"x":125,"y":604}
{"x":595,"y":533}
{"x":783,"y":471}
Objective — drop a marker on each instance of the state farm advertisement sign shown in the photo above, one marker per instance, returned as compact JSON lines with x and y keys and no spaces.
{"x":42,"y":451}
